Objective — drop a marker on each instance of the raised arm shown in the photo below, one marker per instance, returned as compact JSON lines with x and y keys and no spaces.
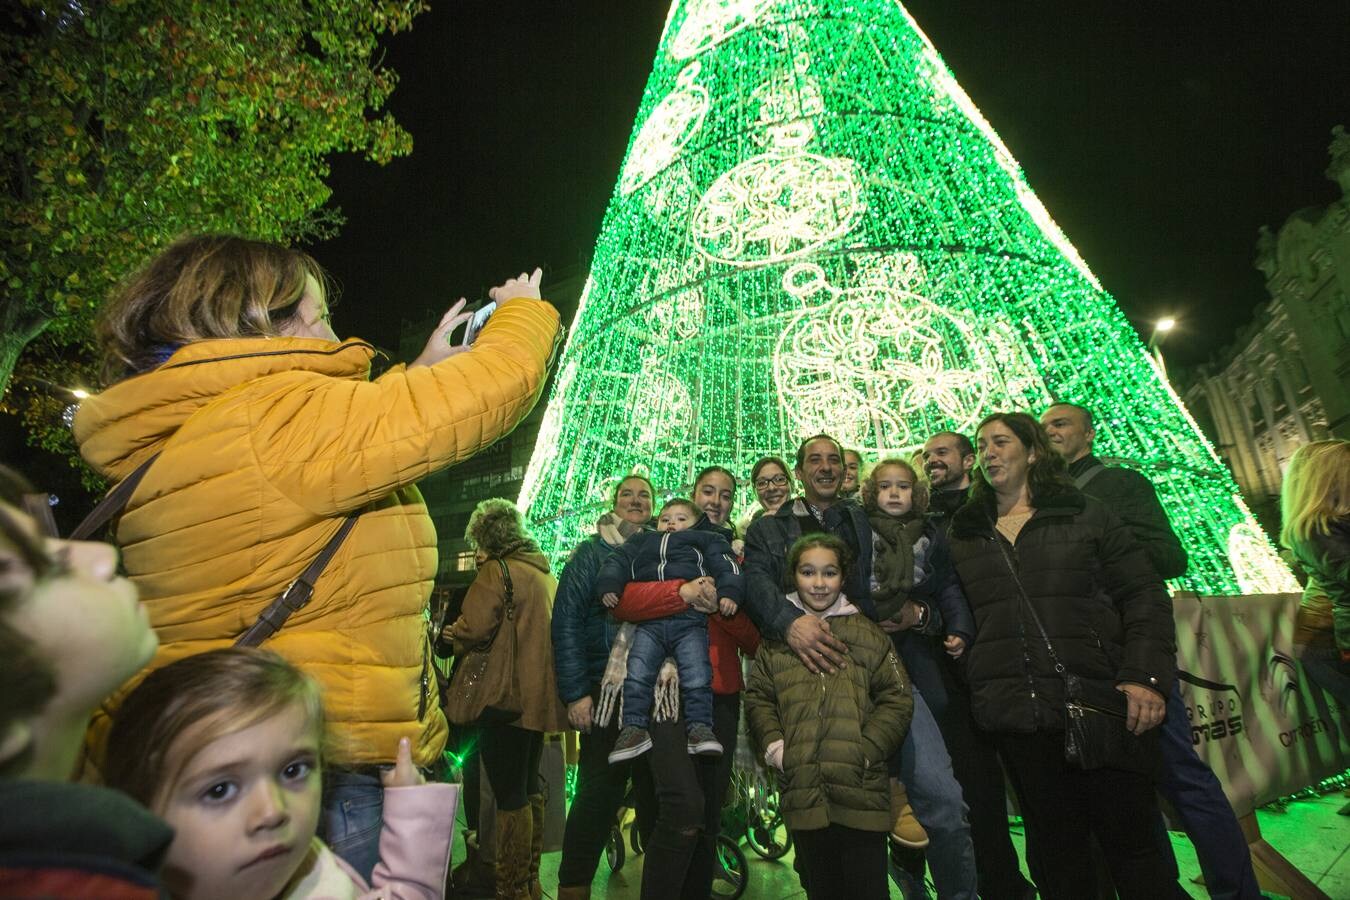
{"x":406,"y":424}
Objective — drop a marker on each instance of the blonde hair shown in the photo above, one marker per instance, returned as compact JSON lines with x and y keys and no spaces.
{"x":869,"y":485}
{"x":199,"y":699}
{"x":201,"y":287}
{"x":1316,"y":490}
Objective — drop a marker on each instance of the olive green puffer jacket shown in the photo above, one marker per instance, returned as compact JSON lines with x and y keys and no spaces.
{"x":838,"y":730}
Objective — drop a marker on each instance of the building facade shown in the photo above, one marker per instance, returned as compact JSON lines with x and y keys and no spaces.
{"x":497,"y":471}
{"x":1285,"y":380}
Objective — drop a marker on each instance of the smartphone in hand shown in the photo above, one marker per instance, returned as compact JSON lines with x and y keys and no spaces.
{"x":479,"y":319}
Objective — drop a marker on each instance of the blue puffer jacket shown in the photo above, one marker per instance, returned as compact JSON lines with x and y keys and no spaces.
{"x":583,"y":630}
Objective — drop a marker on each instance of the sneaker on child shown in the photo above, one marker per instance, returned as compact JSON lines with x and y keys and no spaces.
{"x":702,"y":741}
{"x":633,"y":741}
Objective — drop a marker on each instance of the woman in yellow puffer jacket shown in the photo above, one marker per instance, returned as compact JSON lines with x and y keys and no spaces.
{"x":270,"y":433}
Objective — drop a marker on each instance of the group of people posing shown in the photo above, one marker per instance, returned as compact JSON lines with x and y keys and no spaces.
{"x":916,"y":628}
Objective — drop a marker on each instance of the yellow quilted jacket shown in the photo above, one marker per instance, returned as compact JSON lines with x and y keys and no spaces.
{"x":266,"y":444}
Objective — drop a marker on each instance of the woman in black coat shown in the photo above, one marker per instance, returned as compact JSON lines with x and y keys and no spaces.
{"x":1028,"y":537}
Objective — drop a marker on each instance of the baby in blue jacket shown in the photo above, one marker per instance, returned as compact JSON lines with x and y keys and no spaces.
{"x":679,"y":549}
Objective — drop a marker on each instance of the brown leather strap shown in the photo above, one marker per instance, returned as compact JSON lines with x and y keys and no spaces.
{"x":112,"y":504}
{"x":299,"y":593}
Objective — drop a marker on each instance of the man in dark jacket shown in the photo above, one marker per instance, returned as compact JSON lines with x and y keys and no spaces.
{"x":924,"y":765}
{"x":1129,"y":494}
{"x":1186,"y":781}
{"x":948,"y":458}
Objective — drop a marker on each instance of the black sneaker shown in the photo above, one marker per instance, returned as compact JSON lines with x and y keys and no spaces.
{"x":633,"y":741}
{"x":702,"y":741}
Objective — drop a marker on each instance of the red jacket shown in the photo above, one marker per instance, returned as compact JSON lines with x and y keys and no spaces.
{"x":645,"y":600}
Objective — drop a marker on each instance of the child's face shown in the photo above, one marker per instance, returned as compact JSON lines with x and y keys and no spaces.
{"x":715,"y":496}
{"x":78,"y":610}
{"x":895,"y":490}
{"x":819,"y":578}
{"x":676,"y":518}
{"x":245,"y":809}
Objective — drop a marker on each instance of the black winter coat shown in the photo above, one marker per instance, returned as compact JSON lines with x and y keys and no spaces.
{"x":1133,"y":498}
{"x":1102,"y":605}
{"x":767,"y":543}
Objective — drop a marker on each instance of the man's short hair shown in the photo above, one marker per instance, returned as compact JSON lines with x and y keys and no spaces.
{"x":1082,"y":411}
{"x":963,"y":444}
{"x":801,"y":448}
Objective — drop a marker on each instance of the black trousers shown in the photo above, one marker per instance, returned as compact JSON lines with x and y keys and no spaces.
{"x":1063,"y":808}
{"x":976,"y":766}
{"x":844,"y":863}
{"x":511,"y":760}
{"x":600,"y":791}
{"x":679,"y":805}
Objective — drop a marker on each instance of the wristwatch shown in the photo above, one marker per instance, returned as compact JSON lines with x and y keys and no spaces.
{"x":923,"y":615}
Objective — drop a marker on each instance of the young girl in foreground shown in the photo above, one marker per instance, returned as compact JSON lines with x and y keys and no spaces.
{"x":224,"y":746}
{"x":829,"y":736}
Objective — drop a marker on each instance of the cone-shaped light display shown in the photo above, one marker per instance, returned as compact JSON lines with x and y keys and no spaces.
{"x":815,"y":229}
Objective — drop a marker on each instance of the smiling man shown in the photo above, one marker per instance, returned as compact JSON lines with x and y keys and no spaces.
{"x":922,"y":764}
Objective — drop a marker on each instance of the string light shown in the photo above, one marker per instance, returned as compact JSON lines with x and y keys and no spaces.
{"x":816,"y":229}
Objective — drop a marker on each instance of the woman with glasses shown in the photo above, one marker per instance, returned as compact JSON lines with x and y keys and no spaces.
{"x":772,"y":484}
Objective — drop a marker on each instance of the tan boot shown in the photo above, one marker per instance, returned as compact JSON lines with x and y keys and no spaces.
{"x":536,"y":844}
{"x":907,"y":832}
{"x":575,"y":892}
{"x":514,"y":828}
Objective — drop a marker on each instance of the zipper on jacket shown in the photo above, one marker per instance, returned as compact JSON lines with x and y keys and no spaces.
{"x":422,"y":694}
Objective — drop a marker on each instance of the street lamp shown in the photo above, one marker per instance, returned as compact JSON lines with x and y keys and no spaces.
{"x":1160,"y":330}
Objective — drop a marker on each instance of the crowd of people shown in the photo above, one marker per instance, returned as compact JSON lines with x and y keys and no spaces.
{"x":898,"y":633}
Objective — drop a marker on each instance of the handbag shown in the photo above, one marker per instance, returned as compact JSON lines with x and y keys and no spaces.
{"x":484,"y":686}
{"x":1095,"y":732}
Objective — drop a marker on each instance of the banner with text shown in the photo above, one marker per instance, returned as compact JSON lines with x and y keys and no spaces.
{"x":1257,"y":717}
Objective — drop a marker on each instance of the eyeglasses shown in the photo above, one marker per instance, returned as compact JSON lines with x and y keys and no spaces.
{"x":771,"y":481}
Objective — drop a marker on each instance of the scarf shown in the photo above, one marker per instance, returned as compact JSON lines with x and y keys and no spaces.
{"x":614,"y":530}
{"x":893,"y":563}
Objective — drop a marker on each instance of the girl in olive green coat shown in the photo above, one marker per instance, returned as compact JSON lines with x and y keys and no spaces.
{"x":829,"y":735}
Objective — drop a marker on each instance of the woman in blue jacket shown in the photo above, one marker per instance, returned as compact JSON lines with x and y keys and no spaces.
{"x":582,"y":634}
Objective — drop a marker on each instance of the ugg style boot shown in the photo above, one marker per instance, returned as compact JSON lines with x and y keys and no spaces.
{"x":907,"y":832}
{"x":473,"y":877}
{"x":536,"y":844}
{"x":514,"y":829}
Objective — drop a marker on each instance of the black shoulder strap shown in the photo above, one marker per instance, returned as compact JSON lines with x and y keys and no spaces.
{"x":300,"y":591}
{"x":1087,"y":475}
{"x":112,"y":504}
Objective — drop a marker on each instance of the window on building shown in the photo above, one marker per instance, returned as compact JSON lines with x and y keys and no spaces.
{"x":464,"y":562}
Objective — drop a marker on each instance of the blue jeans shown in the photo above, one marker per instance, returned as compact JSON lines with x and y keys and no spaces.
{"x":926,"y":771}
{"x":685,"y":637}
{"x":351,"y":817}
{"x":1195,"y":793}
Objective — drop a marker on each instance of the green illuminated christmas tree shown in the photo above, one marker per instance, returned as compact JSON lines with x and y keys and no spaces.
{"x":815,"y":229}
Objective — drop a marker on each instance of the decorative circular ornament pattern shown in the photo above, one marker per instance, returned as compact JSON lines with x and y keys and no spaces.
{"x":776,"y":206}
{"x":661,"y":410}
{"x":671,"y":125}
{"x":708,"y":23}
{"x":880,"y":365}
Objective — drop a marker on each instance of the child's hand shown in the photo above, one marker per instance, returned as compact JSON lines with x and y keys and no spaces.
{"x":611,"y":599}
{"x":727,"y":606}
{"x":773,"y":755}
{"x":404,"y":773}
{"x":954,"y":646}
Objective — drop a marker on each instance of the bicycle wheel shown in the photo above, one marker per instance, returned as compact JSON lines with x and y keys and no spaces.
{"x":614,"y":849}
{"x":731,"y":874}
{"x":769,"y":837}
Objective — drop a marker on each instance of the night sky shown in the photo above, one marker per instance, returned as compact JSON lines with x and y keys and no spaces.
{"x":1159,"y":135}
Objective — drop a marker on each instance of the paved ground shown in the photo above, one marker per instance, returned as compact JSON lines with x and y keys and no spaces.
{"x":1309,"y":833}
